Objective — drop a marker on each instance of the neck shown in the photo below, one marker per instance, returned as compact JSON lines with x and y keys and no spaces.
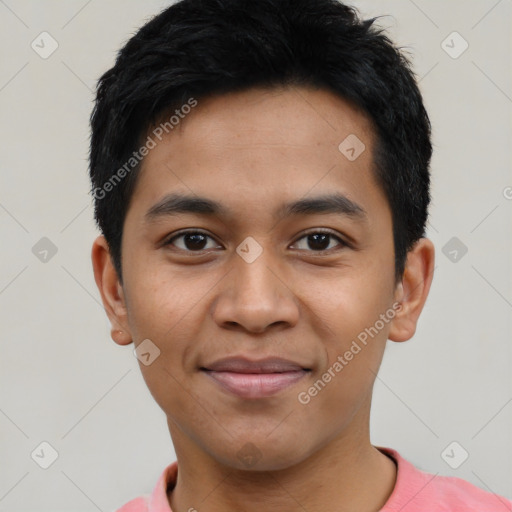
{"x":342,"y":476}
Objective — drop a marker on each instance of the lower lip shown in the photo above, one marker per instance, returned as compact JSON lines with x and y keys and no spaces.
{"x":256,"y":385}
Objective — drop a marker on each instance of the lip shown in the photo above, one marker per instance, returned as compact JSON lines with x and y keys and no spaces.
{"x":262,"y":378}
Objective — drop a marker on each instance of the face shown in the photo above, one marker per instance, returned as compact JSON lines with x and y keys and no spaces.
{"x":259,"y":309}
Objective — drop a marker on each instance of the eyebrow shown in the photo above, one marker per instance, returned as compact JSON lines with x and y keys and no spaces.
{"x":175,"y":204}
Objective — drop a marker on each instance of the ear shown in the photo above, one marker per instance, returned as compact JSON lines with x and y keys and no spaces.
{"x":111,"y":290}
{"x":413,"y":290}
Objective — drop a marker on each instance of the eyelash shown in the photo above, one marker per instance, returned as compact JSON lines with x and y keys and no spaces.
{"x":313,"y":232}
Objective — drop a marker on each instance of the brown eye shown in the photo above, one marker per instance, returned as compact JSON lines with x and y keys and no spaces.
{"x":320,"y":241}
{"x":192,"y":241}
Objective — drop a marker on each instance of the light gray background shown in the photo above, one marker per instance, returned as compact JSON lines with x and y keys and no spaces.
{"x":64,"y":381}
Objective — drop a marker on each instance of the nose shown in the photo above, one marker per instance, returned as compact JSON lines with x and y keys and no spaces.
{"x":254,"y":296}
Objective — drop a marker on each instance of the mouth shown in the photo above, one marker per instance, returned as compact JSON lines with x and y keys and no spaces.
{"x":255,"y":379}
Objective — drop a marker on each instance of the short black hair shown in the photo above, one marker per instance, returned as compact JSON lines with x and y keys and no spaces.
{"x":199,"y":48}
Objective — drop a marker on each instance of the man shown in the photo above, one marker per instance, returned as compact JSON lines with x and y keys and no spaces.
{"x":260,"y":173}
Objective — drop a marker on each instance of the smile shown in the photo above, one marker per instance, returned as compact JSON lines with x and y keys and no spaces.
{"x":255,"y":385}
{"x":255,"y":379}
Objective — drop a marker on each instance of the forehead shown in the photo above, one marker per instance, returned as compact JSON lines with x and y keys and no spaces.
{"x":285,"y":116}
{"x":263,"y":147}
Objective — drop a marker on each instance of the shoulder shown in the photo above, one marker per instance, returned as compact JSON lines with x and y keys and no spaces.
{"x":157,"y":501}
{"x":417,"y":490}
{"x":460,"y":493}
{"x":139,"y":504}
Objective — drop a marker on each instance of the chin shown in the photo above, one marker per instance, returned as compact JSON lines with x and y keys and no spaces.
{"x":261,"y":453}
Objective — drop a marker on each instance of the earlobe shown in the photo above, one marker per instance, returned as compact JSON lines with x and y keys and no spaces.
{"x":413,"y":290}
{"x":120,"y":337}
{"x":111,"y":291}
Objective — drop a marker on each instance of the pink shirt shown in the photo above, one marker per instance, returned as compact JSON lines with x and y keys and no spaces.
{"x":415,"y":491}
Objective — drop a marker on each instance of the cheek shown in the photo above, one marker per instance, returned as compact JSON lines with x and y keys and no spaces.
{"x":344,"y":384}
{"x":170,"y":390}
{"x":158,"y":301}
{"x":351,"y":305}
{"x":164,"y":309}
{"x":358,"y":320}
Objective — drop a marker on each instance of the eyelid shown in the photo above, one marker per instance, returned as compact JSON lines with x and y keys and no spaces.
{"x":325,"y":231}
{"x":169,"y":240}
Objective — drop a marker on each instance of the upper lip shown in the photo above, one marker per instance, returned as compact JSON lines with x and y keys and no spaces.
{"x":245,"y":365}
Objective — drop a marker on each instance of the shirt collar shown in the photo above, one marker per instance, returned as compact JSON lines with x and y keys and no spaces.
{"x":409,"y":481}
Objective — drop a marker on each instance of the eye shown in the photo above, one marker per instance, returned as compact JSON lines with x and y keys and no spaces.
{"x":319,"y":241}
{"x":196,"y":241}
{"x":193,"y":241}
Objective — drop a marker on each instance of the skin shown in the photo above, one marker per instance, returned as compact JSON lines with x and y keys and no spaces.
{"x":254,"y":151}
